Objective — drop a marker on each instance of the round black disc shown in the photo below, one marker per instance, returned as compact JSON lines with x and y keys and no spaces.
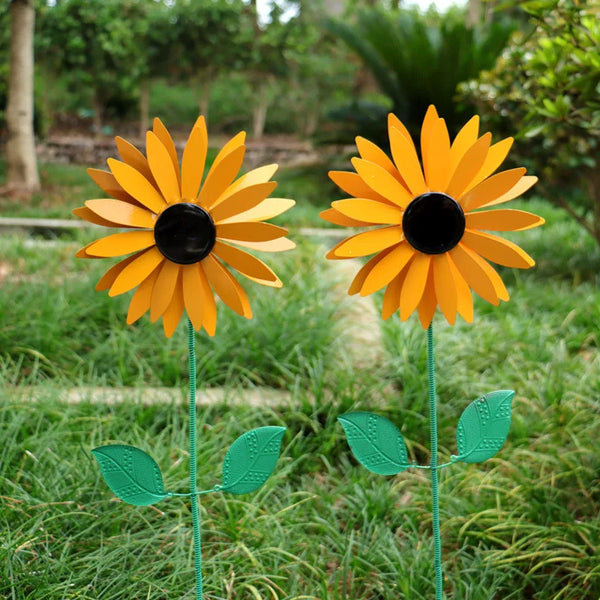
{"x":433,"y":223}
{"x":184,"y":233}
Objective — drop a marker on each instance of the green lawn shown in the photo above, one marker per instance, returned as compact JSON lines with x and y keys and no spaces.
{"x":523,"y":525}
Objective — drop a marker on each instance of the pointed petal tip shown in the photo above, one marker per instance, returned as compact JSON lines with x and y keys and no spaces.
{"x":387,"y":315}
{"x":210,"y":329}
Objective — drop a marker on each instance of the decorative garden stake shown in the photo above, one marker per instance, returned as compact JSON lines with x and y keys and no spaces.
{"x":431,"y":252}
{"x":181,"y":228}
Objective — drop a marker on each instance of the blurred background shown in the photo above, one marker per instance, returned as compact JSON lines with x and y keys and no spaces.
{"x":303,"y":78}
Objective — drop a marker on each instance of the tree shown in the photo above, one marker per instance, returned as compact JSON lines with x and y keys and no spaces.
{"x":22,"y":172}
{"x":200,"y":40}
{"x":419,"y":60}
{"x":319,"y":67}
{"x":98,"y":45}
{"x":545,"y":86}
{"x":265,"y":48}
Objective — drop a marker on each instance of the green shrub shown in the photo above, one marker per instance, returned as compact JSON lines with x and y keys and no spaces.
{"x":546,"y":86}
{"x":418,"y":61}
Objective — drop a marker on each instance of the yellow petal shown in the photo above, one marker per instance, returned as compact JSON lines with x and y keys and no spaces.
{"x":246,"y":264}
{"x":469,"y":166}
{"x":364,"y":271}
{"x":134,"y":183}
{"x":221,"y":175}
{"x":82,"y":252}
{"x":108,"y":183}
{"x":445,"y":289}
{"x":254,"y":177}
{"x":162,"y":168}
{"x":373,"y":153}
{"x":380,"y":181}
{"x":428,"y":303}
{"x":391,"y":297}
{"x":109,"y":277}
{"x":137,"y":271}
{"x":209,"y":318}
{"x":503,"y":220}
{"x":243,"y":200}
{"x":491,"y":189}
{"x":140,"y":301}
{"x":193,"y":295}
{"x":396,"y":123}
{"x":497,"y":250}
{"x":267,"y":209}
{"x":174,"y":312}
{"x":496,"y":155}
{"x":369,"y":211}
{"x":193,"y":161}
{"x":414,"y":284}
{"x":388,"y":268}
{"x":464,"y":298}
{"x":235,"y":142}
{"x":429,"y":122}
{"x":134,"y":158}
{"x":250,"y":232}
{"x":226,"y":286}
{"x":479,"y":275}
{"x":86,"y":214}
{"x":465,"y":138}
{"x":407,"y":162}
{"x":436,"y":162}
{"x":520,"y":188}
{"x":278,"y":245}
{"x":121,"y":213}
{"x":368,"y":242}
{"x":333,"y":216}
{"x":162,"y":294}
{"x":353,"y":185}
{"x":119,"y":244}
{"x":165,"y":137}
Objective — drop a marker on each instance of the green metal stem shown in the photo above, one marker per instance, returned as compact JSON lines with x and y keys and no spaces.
{"x":194,"y":462}
{"x":437,"y":540}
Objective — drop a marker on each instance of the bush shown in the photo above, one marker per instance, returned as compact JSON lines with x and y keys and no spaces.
{"x":419,"y":60}
{"x":545,"y":86}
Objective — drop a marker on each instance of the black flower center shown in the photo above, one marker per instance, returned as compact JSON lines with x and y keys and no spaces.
{"x":433,"y":223}
{"x":184,"y":233}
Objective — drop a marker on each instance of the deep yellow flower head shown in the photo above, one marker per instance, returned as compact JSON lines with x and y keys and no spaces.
{"x":183,"y":227}
{"x":433,"y":246}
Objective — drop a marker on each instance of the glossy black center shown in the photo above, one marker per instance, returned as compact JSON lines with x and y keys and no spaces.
{"x":184,"y":233}
{"x":433,"y":223}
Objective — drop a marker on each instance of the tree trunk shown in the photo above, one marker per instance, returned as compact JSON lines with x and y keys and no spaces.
{"x":473,"y":13}
{"x":259,"y":113}
{"x":97,"y":116}
{"x":22,"y":172}
{"x":204,"y":99}
{"x":144,"y":107}
{"x":311,"y":122}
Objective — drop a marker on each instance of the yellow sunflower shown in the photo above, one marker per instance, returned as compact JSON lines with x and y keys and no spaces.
{"x":183,"y":227}
{"x":433,"y":248}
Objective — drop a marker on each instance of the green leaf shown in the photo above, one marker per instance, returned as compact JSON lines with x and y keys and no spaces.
{"x":251,"y":459}
{"x":375,"y":442}
{"x":483,"y":426}
{"x":131,"y":474}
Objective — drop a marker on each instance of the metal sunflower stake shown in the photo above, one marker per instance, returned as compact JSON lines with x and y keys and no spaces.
{"x":183,"y":227}
{"x":431,"y":247}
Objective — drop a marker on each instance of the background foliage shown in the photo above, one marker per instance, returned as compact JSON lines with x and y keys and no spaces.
{"x":546,"y":86}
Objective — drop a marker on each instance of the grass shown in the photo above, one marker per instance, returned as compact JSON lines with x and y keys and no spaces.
{"x":55,"y":326}
{"x":523,"y":525}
